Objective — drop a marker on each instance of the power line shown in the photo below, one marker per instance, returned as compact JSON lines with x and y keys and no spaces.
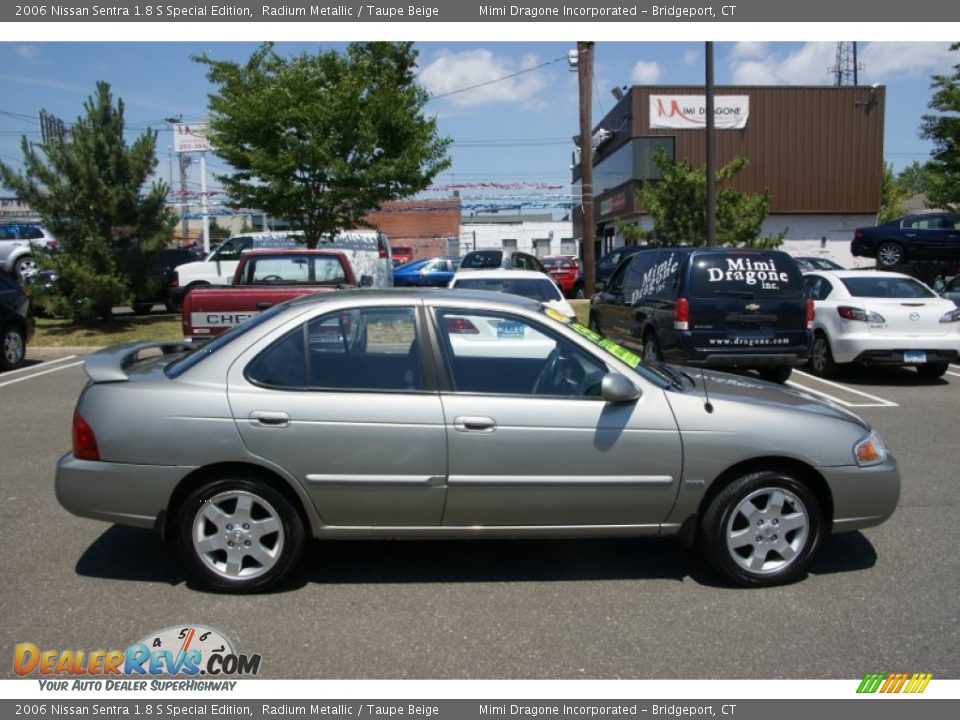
{"x":500,"y":79}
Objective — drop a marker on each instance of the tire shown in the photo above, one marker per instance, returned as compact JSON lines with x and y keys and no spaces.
{"x":594,"y":325}
{"x":779,"y":374}
{"x":762,"y":529}
{"x":932,"y":371}
{"x":821,"y":361}
{"x":220,"y":543}
{"x":26,"y":265}
{"x":142,"y":308}
{"x":13,"y":347}
{"x":651,"y":347}
{"x":890,"y":254}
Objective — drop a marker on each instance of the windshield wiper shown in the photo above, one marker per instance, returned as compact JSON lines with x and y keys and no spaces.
{"x":674,"y":376}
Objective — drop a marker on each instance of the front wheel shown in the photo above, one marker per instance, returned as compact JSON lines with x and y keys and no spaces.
{"x":779,"y":374}
{"x":889,"y":254}
{"x":238,"y":534}
{"x":762,"y":529}
{"x":14,"y":348}
{"x":25,"y":267}
{"x":651,"y":348}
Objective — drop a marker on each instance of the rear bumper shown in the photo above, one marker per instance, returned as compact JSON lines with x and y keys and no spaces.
{"x":863,"y":248}
{"x":744,"y":356}
{"x":116,"y":492}
{"x":864,"y":347}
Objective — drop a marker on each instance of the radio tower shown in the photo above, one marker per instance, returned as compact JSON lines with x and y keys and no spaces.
{"x":846,"y":68}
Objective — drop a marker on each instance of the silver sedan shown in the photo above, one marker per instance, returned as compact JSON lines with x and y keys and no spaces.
{"x":437,"y":414}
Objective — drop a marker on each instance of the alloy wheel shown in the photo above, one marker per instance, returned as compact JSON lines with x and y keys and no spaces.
{"x":767,"y":530}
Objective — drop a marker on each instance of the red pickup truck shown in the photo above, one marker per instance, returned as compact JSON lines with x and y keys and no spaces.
{"x":263,"y":279}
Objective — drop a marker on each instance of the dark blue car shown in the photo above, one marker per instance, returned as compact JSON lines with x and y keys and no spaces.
{"x":429,"y":272}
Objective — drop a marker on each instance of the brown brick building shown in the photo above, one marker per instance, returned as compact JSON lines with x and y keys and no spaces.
{"x":425,"y":225}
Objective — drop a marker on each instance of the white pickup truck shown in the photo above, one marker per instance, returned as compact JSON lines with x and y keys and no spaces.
{"x":367,"y":250}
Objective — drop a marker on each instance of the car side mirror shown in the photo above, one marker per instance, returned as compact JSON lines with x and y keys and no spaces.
{"x":366,"y":280}
{"x":617,"y":388}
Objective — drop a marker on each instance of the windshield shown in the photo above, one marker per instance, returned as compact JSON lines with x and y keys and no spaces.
{"x":482,"y":259}
{"x":178,"y":367}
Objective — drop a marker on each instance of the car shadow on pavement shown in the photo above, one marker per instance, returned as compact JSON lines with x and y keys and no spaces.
{"x":125,"y":553}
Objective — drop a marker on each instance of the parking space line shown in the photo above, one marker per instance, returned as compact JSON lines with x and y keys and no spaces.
{"x":38,"y":365}
{"x":953,"y":373}
{"x":877,"y":401}
{"x":36,"y":375}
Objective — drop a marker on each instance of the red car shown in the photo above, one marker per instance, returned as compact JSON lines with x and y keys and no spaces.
{"x":401,"y":254}
{"x":563,"y":269}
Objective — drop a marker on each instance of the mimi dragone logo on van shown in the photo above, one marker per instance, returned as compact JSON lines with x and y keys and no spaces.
{"x":186,"y":650}
{"x":914,"y":683}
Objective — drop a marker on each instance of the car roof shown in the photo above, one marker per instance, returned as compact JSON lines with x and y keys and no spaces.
{"x":500,"y":273}
{"x":430,"y":295}
{"x":259,"y":252}
{"x":840,"y":274}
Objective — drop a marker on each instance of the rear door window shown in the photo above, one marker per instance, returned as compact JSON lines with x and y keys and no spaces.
{"x":773,"y":275}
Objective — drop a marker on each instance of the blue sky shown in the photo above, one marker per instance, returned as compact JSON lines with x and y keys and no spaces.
{"x":514,"y":131}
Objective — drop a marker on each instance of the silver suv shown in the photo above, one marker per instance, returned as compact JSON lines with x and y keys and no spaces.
{"x":17,"y":242}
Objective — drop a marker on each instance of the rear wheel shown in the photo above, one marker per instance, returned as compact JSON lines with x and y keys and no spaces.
{"x":821,"y":358}
{"x":932,"y":371}
{"x":762,"y":529}
{"x":651,"y":347}
{"x":24,"y":267}
{"x":238,"y":534}
{"x":779,"y":374}
{"x":889,"y":254}
{"x":14,"y":347}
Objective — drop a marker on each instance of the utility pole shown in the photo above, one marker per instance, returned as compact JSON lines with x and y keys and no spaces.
{"x":585,"y":78}
{"x":711,"y":133}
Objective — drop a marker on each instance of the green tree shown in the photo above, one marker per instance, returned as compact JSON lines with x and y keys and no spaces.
{"x":320,"y":140}
{"x":891,"y":193}
{"x":87,"y":188}
{"x":677,"y":203}
{"x":944,"y":130}
{"x":913,"y":179}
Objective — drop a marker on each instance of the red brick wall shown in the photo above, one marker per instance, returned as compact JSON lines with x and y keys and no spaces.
{"x":424,"y":225}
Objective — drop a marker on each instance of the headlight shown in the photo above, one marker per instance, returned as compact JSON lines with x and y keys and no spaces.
{"x":870,"y":450}
{"x":952,"y":316}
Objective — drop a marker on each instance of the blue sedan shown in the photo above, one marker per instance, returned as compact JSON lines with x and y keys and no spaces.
{"x":429,"y":272}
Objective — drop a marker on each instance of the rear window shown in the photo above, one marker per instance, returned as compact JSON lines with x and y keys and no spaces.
{"x":482,"y":259}
{"x":535,"y":289}
{"x":884,"y":286}
{"x":772,"y":275}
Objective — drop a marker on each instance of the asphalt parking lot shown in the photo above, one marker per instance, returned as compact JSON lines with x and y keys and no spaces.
{"x":883,"y":600}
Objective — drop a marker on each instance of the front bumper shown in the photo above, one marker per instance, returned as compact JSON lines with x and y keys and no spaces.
{"x":888,"y":349}
{"x":863,"y":496}
{"x":116,"y":492}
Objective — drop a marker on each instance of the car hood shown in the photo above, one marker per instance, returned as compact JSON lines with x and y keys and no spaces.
{"x":727,"y":387}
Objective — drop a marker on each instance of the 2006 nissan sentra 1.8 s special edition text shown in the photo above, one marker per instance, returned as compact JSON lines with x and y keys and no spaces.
{"x":416,"y":414}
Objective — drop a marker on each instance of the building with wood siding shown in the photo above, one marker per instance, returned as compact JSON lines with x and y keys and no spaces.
{"x":818,"y":151}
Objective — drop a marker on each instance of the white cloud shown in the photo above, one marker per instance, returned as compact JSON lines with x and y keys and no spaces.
{"x":691,"y":57}
{"x":884,"y":60}
{"x":749,"y":49}
{"x":807,"y":65}
{"x":29,"y":54}
{"x":645,"y":73}
{"x":450,"y":71}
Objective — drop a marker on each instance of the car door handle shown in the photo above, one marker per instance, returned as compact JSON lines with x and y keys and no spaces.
{"x":270,"y":418}
{"x":475,"y":424}
{"x":264,"y":305}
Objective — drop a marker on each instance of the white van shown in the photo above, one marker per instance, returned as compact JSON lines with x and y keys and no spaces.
{"x":367,"y":250}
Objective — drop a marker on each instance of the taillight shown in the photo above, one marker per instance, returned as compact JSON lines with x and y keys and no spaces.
{"x":460,"y":326}
{"x":681,"y":314}
{"x":381,"y":247}
{"x":84,"y":441}
{"x":852,"y":313}
{"x":811,"y":313}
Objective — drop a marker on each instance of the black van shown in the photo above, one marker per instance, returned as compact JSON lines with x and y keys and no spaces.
{"x":713,"y":307}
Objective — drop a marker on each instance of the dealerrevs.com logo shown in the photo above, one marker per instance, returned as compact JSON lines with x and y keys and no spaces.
{"x":183,"y":650}
{"x":894,"y":683}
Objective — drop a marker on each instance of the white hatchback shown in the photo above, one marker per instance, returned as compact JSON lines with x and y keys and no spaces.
{"x":880,"y":318}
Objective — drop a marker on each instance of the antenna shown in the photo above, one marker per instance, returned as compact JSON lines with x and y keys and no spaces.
{"x":707,"y":405}
{"x":846,"y":68}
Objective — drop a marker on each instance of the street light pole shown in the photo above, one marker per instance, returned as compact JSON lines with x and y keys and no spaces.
{"x":711,"y":208}
{"x":585,"y":82}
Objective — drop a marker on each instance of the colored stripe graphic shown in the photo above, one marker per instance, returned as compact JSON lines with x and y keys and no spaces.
{"x":894,"y":682}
